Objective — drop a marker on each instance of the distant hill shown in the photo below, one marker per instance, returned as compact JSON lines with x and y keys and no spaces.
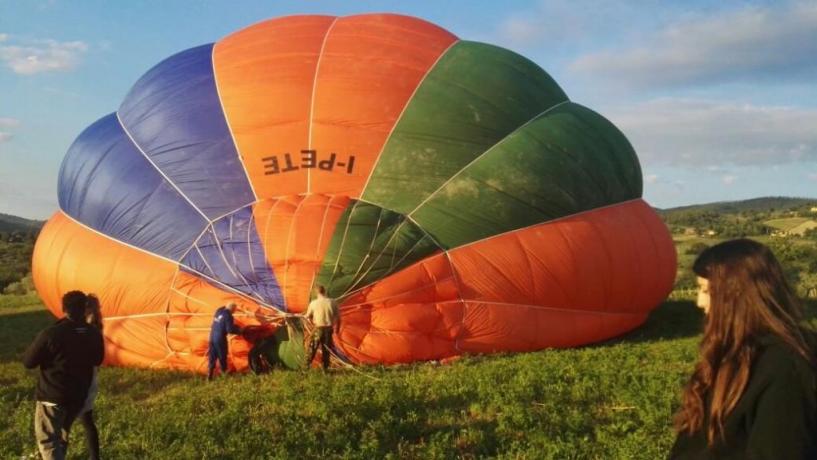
{"x":10,"y":224}
{"x":765,"y":204}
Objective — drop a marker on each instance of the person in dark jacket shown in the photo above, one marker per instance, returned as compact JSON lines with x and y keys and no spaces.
{"x":223,"y":324}
{"x":753,"y":393}
{"x":66,"y":354}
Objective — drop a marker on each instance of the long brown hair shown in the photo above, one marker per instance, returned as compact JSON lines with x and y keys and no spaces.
{"x":749,"y":299}
{"x":93,"y":313}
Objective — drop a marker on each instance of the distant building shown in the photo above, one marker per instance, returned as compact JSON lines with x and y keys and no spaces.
{"x":814,"y":209}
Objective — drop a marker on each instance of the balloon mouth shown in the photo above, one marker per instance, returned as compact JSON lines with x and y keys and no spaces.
{"x":280,"y":346}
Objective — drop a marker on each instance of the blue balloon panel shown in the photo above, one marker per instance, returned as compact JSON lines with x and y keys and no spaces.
{"x":174,"y":115}
{"x":108,"y":185}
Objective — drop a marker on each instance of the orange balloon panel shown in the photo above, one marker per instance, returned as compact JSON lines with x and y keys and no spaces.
{"x":69,"y":256}
{"x":265,"y":76}
{"x":295,"y":232}
{"x":154,"y":315}
{"x":370,"y":67}
{"x":573,"y":281}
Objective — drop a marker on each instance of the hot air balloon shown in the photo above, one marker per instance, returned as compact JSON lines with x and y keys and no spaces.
{"x":446,"y":192}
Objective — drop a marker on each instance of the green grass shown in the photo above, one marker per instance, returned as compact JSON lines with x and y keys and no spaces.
{"x":612,"y":400}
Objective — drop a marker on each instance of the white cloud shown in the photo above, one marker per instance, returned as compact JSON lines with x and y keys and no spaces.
{"x":728,"y":179}
{"x":754,"y":43}
{"x":705,"y":134}
{"x":566,"y":22}
{"x":5,"y":125}
{"x":4,"y":37}
{"x":651,"y":178}
{"x":42,"y":56}
{"x":9,"y":122}
{"x":813,"y":176}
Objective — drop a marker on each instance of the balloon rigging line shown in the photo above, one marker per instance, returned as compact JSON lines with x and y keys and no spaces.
{"x":320,"y":241}
{"x":203,"y":231}
{"x":309,"y":335}
{"x":147,"y":157}
{"x":188,"y":296}
{"x":392,"y":266}
{"x":249,"y":241}
{"x":203,"y":259}
{"x":167,"y":308}
{"x":237,"y":275}
{"x":171,"y":261}
{"x":352,"y":289}
{"x":235,"y":263}
{"x":343,"y":242}
{"x":229,"y":125}
{"x":371,"y":246}
{"x":312,"y":98}
{"x":285,"y":286}
{"x":233,"y":211}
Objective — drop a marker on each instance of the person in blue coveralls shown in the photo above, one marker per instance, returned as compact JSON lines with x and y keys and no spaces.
{"x":223,"y":324}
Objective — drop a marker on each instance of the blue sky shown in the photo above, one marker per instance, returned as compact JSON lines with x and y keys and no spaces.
{"x":718,"y":98}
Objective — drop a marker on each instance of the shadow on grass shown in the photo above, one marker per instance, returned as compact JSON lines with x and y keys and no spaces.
{"x":17,"y":331}
{"x":678,"y":319}
{"x":674,"y":319}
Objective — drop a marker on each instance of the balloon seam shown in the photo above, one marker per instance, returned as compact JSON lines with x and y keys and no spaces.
{"x":402,"y":112}
{"x":147,"y":157}
{"x":621,"y":203}
{"x":466,"y":167}
{"x":312,"y":100}
{"x":286,"y":254}
{"x":229,"y":126}
{"x":552,"y":221}
{"x":342,"y":242}
{"x":320,"y":240}
{"x":489,"y":149}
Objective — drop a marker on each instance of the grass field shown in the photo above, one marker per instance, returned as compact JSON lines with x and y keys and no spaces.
{"x":608,"y":401}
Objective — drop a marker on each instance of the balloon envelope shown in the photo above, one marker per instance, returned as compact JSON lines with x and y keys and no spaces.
{"x":446,"y":192}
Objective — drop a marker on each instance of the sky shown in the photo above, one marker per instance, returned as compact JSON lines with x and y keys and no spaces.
{"x":718,"y":98}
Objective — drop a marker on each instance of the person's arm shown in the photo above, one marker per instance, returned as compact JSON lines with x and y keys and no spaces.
{"x":310,"y":310}
{"x":230,"y":326}
{"x":37,"y":352}
{"x":785,"y":420}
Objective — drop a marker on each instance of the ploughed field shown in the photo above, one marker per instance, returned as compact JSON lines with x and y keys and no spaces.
{"x":610,"y":400}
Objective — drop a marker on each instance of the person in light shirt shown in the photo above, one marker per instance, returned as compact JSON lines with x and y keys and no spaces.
{"x":323,"y":313}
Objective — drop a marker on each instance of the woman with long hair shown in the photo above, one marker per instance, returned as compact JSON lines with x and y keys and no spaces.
{"x":753,"y":393}
{"x":93,"y":316}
